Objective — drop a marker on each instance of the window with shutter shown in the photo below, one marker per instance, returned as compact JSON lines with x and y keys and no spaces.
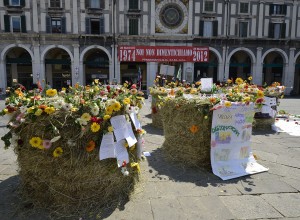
{"x":95,"y":3}
{"x":244,"y":7}
{"x":278,"y":9}
{"x":271,"y":30}
{"x":87,"y":25}
{"x":201,"y":25}
{"x":243,"y":29}
{"x":95,"y":26}
{"x":133,"y":26}
{"x":215,"y":28}
{"x":56,"y":25}
{"x":6,"y":23}
{"x":208,"y":6}
{"x":133,"y":4}
{"x":63,"y":25}
{"x":283,"y":30}
{"x":277,"y":30}
{"x":55,"y":3}
{"x":22,"y":3}
{"x":48,"y":24}
{"x":23,"y":24}
{"x":6,"y":2}
{"x":16,"y":24}
{"x":102,"y":28}
{"x":207,"y":29}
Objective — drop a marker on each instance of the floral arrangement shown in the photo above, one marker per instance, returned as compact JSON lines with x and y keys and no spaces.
{"x":88,"y":107}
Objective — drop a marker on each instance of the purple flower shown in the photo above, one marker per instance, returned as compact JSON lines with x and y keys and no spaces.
{"x":46,"y":144}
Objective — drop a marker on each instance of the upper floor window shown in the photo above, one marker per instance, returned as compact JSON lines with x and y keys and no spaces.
{"x":133,"y":4}
{"x":94,"y":25}
{"x":55,"y":24}
{"x":15,"y":24}
{"x":133,"y":26}
{"x":243,"y":29}
{"x":55,"y":3}
{"x":277,"y":30}
{"x":208,"y":5}
{"x":14,"y":3}
{"x":276,"y":9}
{"x":95,"y":4}
{"x":244,"y":7}
{"x":208,"y":28}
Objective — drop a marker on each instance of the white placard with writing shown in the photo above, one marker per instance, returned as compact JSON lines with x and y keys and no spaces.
{"x":206,"y":84}
{"x":121,"y":152}
{"x":107,"y":147}
{"x":135,"y":121}
{"x":170,"y":70}
{"x":163,"y":69}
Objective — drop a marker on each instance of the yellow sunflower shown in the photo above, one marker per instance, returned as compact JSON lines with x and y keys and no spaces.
{"x":260,"y":94}
{"x":95,"y":127}
{"x":36,"y":142}
{"x":239,"y":81}
{"x":116,"y":106}
{"x":49,"y":110}
{"x":227,"y":104}
{"x":86,"y":116}
{"x":106,"y":117}
{"x":110,"y":129}
{"x":58,"y":152}
{"x":126,"y":101}
{"x":51,"y":92}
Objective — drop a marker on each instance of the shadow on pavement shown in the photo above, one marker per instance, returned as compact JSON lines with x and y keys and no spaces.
{"x":167,"y":170}
{"x":13,"y":206}
{"x":152,"y":130}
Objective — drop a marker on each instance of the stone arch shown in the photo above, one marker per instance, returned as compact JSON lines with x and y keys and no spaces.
{"x":252,"y":56}
{"x":285,"y":57}
{"x":216,"y":52}
{"x":94,"y":47}
{"x":7,"y":48}
{"x":296,"y":56}
{"x":47,"y":49}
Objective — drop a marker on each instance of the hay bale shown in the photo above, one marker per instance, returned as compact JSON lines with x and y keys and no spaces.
{"x":75,"y":182}
{"x":187,"y":130}
{"x":263,"y":124}
{"x":155,"y":114}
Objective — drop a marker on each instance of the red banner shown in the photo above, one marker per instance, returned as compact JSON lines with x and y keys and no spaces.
{"x":163,"y":54}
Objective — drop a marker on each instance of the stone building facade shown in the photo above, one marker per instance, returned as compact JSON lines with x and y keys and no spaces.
{"x":62,"y":42}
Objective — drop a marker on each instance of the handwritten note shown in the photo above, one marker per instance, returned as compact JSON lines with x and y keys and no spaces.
{"x":107,"y":147}
{"x":121,"y":152}
{"x":118,"y":121}
{"x":135,"y":120}
{"x":206,"y":84}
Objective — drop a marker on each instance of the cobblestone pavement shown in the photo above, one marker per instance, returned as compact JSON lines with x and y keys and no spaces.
{"x":168,"y":191}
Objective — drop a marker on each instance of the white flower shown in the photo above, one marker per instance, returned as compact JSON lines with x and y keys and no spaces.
{"x":95,"y":110}
{"x":71,"y":143}
{"x":55,"y":139}
{"x":81,"y":121}
{"x":111,"y":101}
{"x":59,"y":104}
{"x":67,"y":106}
{"x":23,"y":109}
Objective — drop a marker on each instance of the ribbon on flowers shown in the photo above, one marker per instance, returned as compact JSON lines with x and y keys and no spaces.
{"x":137,"y":166}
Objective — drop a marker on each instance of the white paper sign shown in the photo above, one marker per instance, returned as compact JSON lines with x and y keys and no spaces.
{"x":118,"y":121}
{"x":206,"y":84}
{"x":163,"y":70}
{"x":135,"y":120}
{"x":171,"y":70}
{"x":270,"y":101}
{"x":121,"y":152}
{"x":231,"y":154}
{"x":129,"y":135}
{"x":107,"y":147}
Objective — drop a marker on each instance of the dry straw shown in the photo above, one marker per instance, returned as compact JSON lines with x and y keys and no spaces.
{"x":77,"y":181}
{"x":187,"y":130}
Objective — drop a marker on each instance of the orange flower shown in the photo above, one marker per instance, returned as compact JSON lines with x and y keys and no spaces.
{"x":90,"y":146}
{"x":212,"y":99}
{"x":194,"y":129}
{"x":43,"y":107}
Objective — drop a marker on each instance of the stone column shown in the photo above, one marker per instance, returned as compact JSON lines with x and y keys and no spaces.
{"x":258,"y":73}
{"x":114,"y":70}
{"x":290,"y":72}
{"x":77,"y":76}
{"x":260,"y":20}
{"x":36,"y":64}
{"x":3,"y":78}
{"x":294,"y":20}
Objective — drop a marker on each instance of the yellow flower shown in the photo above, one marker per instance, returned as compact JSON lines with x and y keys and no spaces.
{"x":36,"y":142}
{"x":49,"y":110}
{"x":260,"y":94}
{"x":227,"y":104}
{"x":229,"y":81}
{"x":247,"y":99}
{"x":51,"y":92}
{"x":58,"y":152}
{"x":239,"y":81}
{"x":38,"y":112}
{"x":106,"y":117}
{"x":86,"y":116}
{"x":30,"y":110}
{"x":95,"y":127}
{"x":250,"y":78}
{"x":5,"y":111}
{"x":126,"y":101}
{"x":140,"y":105}
{"x":110,"y":129}
{"x":109,"y":110}
{"x":116,"y":106}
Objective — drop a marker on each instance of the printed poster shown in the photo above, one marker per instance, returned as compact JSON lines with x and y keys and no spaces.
{"x":231,"y":155}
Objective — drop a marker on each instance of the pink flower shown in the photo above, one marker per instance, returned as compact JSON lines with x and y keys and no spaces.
{"x":46,"y":144}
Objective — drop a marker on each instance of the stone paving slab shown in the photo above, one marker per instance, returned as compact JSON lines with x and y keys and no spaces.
{"x":288,"y":204}
{"x":249,"y":207}
{"x":167,"y":208}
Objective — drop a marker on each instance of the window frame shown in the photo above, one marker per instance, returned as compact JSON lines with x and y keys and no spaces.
{"x":248,"y":11}
{"x":134,"y":3}
{"x":213,"y":6}
{"x":131,"y":28}
{"x":11,"y":4}
{"x":90,"y":3}
{"x":56,"y":19}
{"x":205,"y":34}
{"x":55,"y":2}
{"x":239,"y":29}
{"x":12,"y":26}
